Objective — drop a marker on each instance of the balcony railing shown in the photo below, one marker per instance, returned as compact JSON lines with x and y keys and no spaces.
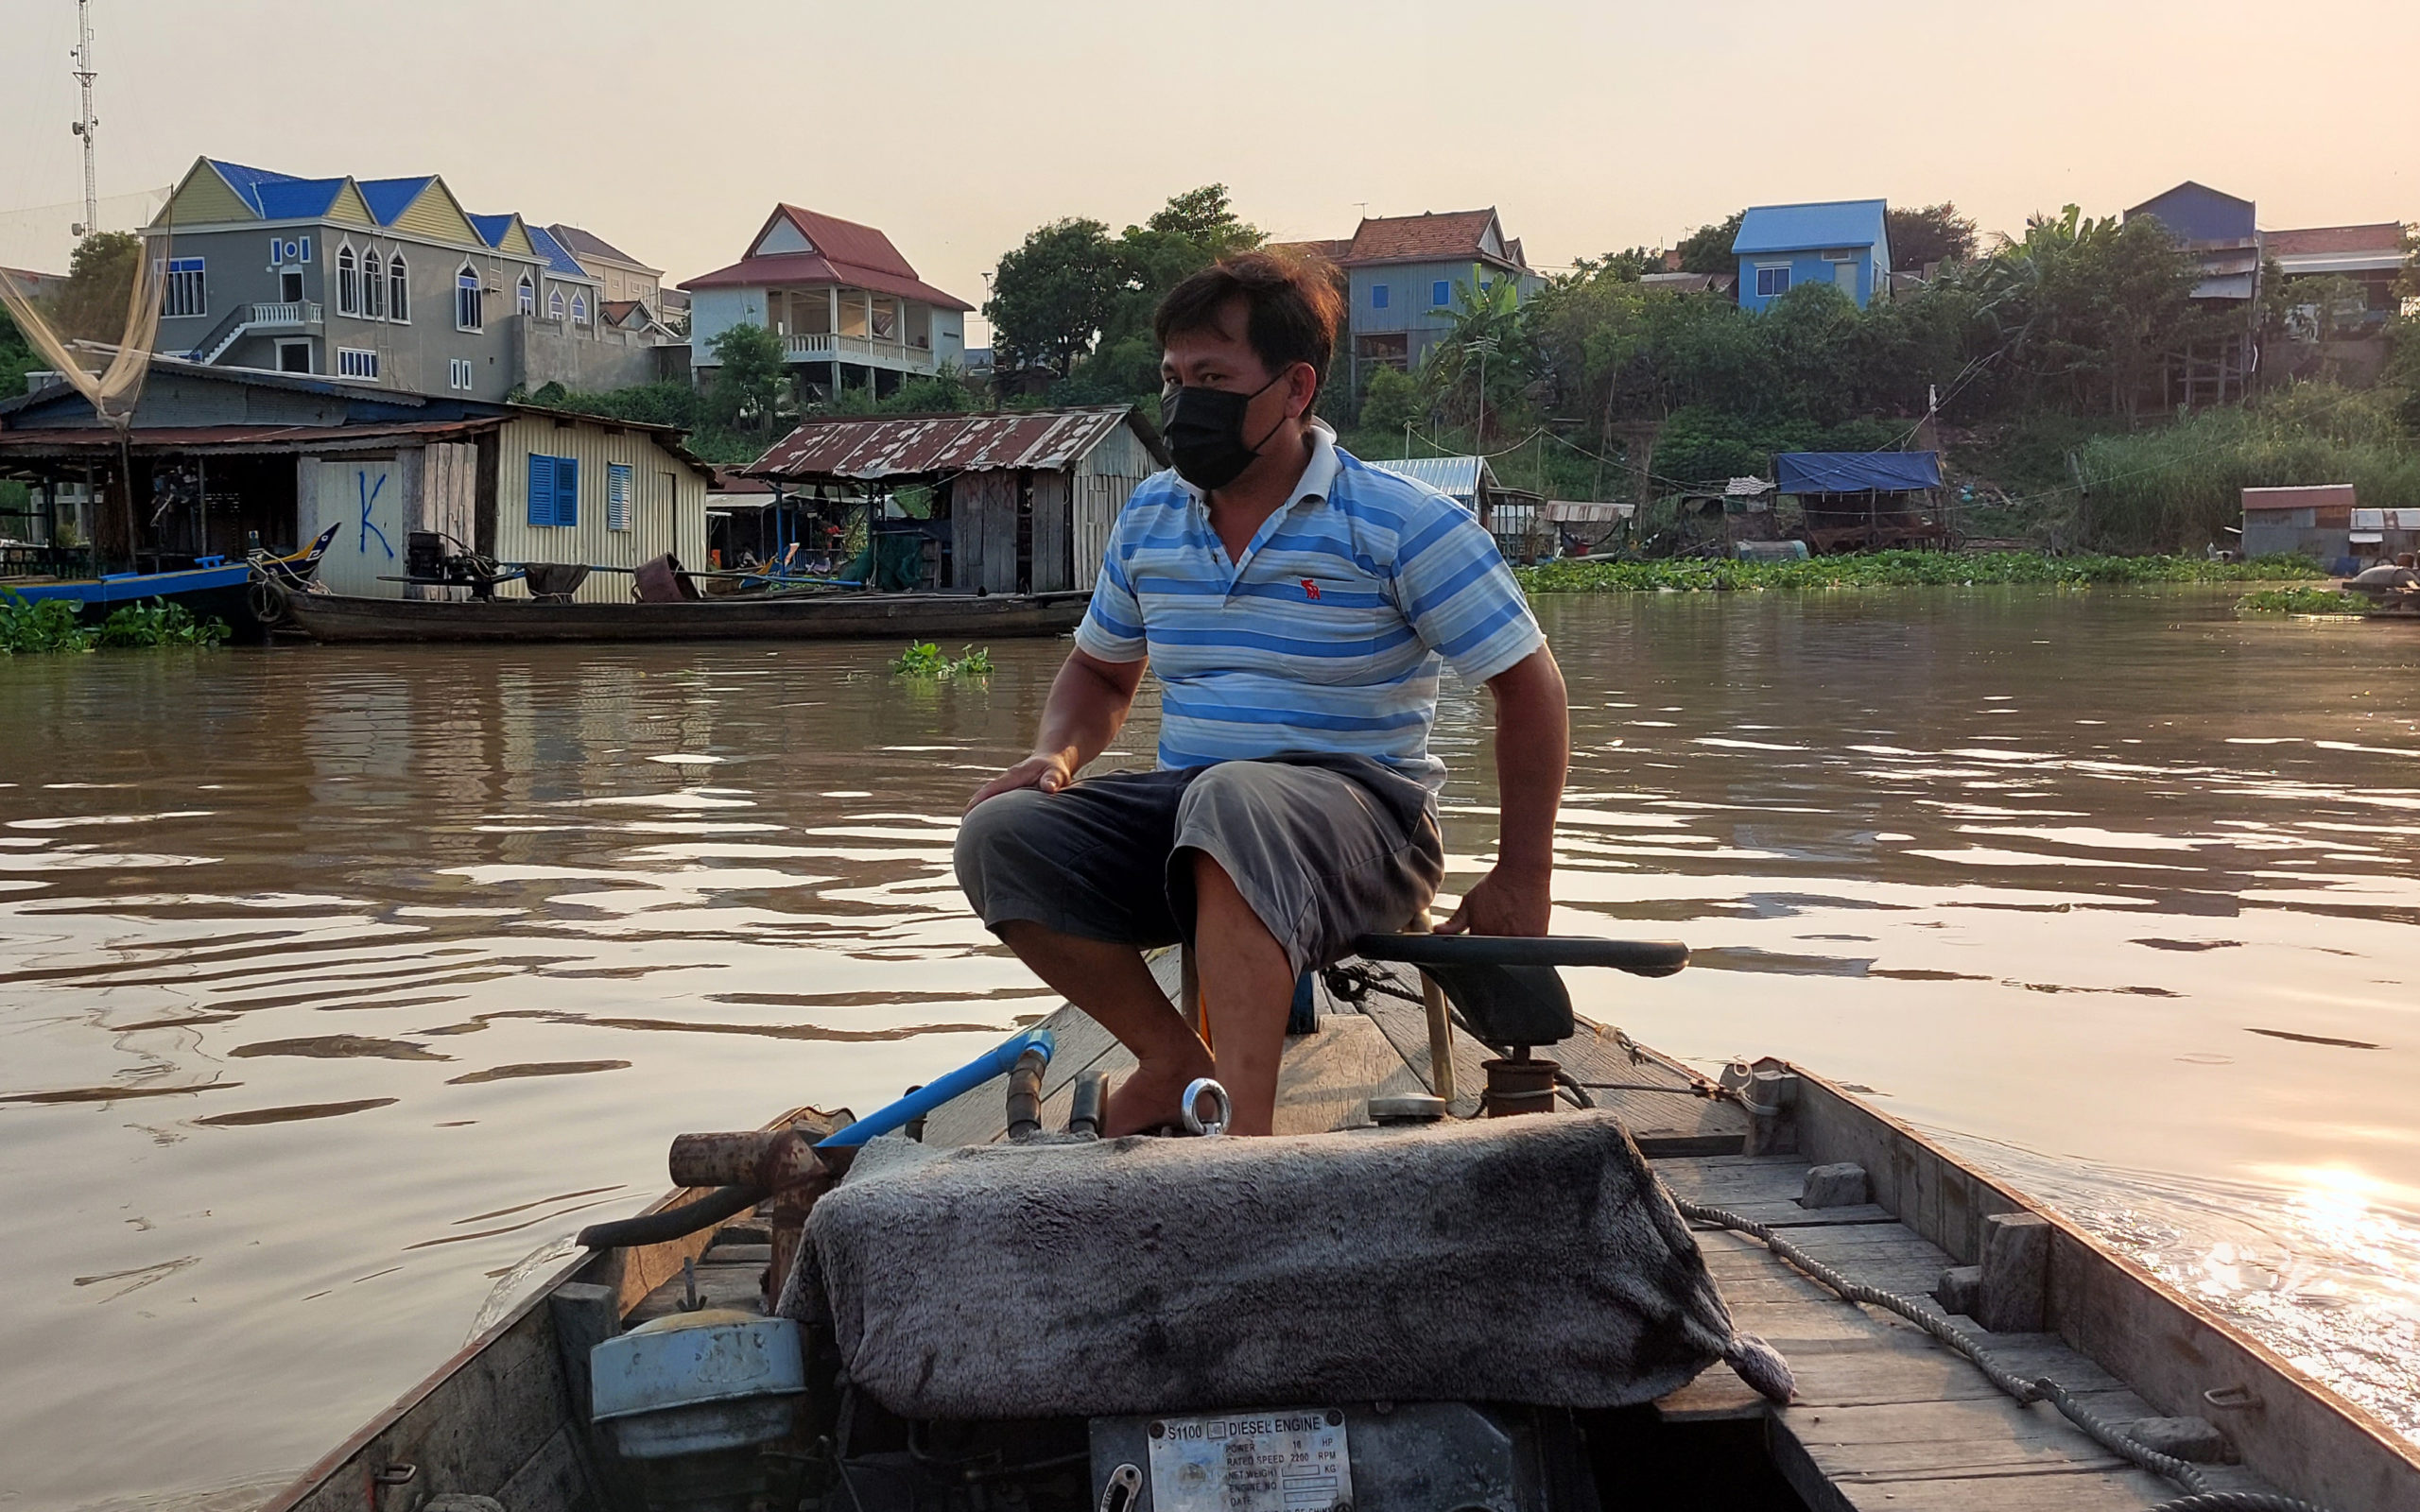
{"x":822,"y":346}
{"x":291,"y":311}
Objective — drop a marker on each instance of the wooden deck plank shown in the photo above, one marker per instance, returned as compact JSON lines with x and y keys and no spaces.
{"x":1328,"y":1078}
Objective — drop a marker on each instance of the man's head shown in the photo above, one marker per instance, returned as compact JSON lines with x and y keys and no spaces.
{"x":1259,"y":326}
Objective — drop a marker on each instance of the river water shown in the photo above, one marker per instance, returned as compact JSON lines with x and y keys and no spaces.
{"x":337,"y":983}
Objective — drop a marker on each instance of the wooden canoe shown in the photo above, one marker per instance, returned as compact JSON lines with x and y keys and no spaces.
{"x":948,"y":618}
{"x":1886,"y":1417}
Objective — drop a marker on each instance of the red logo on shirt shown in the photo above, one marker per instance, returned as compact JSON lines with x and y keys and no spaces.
{"x":1310,"y":590}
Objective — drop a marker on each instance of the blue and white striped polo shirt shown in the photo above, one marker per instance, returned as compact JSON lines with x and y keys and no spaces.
{"x":1327,"y":636}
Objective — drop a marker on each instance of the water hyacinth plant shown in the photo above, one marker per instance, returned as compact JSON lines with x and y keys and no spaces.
{"x":925,"y":659}
{"x":52,"y":624}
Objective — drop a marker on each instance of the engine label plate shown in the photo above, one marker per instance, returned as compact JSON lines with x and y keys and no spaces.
{"x":1293,"y":1460}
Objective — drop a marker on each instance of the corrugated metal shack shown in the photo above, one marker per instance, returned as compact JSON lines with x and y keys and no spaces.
{"x":2326,"y":522}
{"x":223,"y":458}
{"x":1020,"y":502}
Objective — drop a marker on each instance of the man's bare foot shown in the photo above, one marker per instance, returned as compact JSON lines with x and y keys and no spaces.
{"x":1152,"y":1095}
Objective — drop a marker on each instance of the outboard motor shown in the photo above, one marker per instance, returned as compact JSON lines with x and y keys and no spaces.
{"x":691,"y":1397}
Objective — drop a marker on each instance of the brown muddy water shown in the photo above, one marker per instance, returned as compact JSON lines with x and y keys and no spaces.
{"x":338,"y":985}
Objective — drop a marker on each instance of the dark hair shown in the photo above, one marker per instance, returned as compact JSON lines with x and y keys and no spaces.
{"x":1292,"y":308}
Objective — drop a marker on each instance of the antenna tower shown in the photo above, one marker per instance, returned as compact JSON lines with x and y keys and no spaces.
{"x":86,"y":121}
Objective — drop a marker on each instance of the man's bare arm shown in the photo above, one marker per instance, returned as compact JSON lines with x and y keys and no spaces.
{"x":1532,"y":754}
{"x":1087,"y":707}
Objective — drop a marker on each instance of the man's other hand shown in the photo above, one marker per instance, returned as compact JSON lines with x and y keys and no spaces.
{"x":1503,"y":902}
{"x":1046,"y":774}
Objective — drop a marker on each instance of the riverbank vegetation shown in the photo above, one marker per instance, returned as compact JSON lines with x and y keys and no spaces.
{"x":52,"y":624}
{"x":2037,"y":365}
{"x":1899,"y":569}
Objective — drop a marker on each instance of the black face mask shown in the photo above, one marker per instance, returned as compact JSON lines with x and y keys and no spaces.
{"x":1205,"y":433}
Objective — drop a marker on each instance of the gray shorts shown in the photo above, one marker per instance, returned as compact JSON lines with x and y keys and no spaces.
{"x":1326,"y":849}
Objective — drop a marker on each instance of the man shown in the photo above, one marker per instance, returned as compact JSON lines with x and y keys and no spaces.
{"x":1296,"y":605}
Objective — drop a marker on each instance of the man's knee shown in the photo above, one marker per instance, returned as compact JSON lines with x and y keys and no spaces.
{"x":995,"y":829}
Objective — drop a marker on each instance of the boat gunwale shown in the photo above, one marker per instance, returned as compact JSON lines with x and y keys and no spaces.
{"x":592,"y":1265}
{"x":2279,"y":1450}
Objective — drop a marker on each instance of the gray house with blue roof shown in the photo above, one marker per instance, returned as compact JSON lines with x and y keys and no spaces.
{"x":1845,"y":243}
{"x":388,"y":283}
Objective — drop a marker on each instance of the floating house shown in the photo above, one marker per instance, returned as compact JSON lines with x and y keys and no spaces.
{"x":1014,"y":503}
{"x":222,"y":459}
{"x":1845,"y":243}
{"x":2326,"y":522}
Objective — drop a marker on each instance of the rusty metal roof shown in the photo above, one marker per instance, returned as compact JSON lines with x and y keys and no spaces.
{"x":906,"y":446}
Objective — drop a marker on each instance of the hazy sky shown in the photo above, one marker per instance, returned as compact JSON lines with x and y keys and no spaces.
{"x":671,"y":129}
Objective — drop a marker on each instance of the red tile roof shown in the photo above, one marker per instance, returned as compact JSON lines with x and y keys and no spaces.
{"x":844,"y":252}
{"x":2387,"y":236}
{"x":1426,"y":239}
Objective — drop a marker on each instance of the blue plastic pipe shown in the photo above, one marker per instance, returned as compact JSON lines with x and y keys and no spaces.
{"x":997,"y":1061}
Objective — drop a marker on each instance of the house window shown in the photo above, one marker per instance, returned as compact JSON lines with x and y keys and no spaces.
{"x":399,"y":290}
{"x":467,"y":314}
{"x":348,"y":282}
{"x":289,"y":285}
{"x":526,"y":297}
{"x":459,"y":373}
{"x":580,"y":309}
{"x":1377,"y":296}
{"x":554,"y":305}
{"x":374,"y":286}
{"x":1440,"y":293}
{"x":304,"y":247}
{"x":1772,"y":282}
{"x":184,"y":293}
{"x":617,"y":497}
{"x":354,"y":362}
{"x":554,"y":490}
{"x":294,"y":356}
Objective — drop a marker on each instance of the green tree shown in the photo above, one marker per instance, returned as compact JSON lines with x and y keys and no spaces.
{"x":1936,"y":233}
{"x":17,"y":358}
{"x":1206,"y":217}
{"x":1707,"y":250}
{"x":1391,"y":401}
{"x":1052,"y":294}
{"x":92,"y":306}
{"x":748,"y":382}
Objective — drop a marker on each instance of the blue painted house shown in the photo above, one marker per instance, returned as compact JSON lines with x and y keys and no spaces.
{"x":1841,"y":242}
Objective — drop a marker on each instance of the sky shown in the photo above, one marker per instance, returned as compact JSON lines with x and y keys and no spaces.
{"x":959,"y":127}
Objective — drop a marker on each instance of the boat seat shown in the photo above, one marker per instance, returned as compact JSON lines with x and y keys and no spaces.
{"x":1508,"y":988}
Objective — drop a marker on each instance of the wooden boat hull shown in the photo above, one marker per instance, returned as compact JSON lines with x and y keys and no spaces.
{"x":942,"y":617}
{"x":1887,"y":1417}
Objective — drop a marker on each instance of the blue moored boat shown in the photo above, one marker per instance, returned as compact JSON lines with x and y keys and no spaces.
{"x":213,"y":588}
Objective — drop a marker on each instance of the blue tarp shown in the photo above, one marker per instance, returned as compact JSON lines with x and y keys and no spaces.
{"x":1856,"y":471}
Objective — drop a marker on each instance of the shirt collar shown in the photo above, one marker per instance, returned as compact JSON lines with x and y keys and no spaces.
{"x":1319,"y":474}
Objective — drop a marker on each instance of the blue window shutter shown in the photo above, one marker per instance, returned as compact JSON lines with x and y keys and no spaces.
{"x":541,"y":489}
{"x":1439,"y":292}
{"x":566,"y":490}
{"x":1377,"y":296}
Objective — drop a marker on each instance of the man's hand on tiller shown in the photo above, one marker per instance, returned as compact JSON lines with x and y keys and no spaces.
{"x":1504,"y":902}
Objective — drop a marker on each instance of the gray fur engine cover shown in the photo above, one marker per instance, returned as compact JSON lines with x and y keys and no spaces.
{"x":1526,"y":1260}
